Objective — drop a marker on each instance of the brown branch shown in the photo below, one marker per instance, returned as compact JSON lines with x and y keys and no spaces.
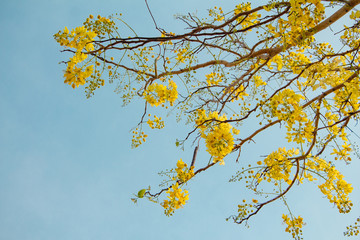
{"x":156,"y":26}
{"x":194,"y":156}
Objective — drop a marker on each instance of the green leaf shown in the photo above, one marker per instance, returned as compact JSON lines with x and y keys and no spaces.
{"x":141,"y":193}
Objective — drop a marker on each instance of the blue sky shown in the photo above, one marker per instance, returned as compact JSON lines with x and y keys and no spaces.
{"x":66,"y":167}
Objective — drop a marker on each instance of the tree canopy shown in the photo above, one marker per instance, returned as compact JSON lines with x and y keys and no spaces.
{"x":258,"y":68}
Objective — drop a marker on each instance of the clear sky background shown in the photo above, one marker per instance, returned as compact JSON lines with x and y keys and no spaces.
{"x":67,"y":171}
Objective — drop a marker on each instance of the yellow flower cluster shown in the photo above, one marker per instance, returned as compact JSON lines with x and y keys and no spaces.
{"x":138,"y":138}
{"x":81,"y":39}
{"x":279,"y":167}
{"x":213,"y":78}
{"x":177,"y":199}
{"x":219,"y":142}
{"x":258,"y":81}
{"x":248,"y":20}
{"x":242,"y":7}
{"x":78,"y":38}
{"x":294,"y":226}
{"x":184,"y":174}
{"x":305,"y":14}
{"x":286,"y":106}
{"x":321,"y":75}
{"x":277,"y":60}
{"x":217,"y":14}
{"x":76,"y":76}
{"x":351,"y":34}
{"x":347,"y":99}
{"x":182,"y":55}
{"x":300,"y":133}
{"x":353,"y":230}
{"x":297,"y":61}
{"x":238,"y":93}
{"x":343,"y":154}
{"x":100,"y":26}
{"x":218,"y":137}
{"x":244,"y":210}
{"x":156,"y":123}
{"x":157,"y":94}
{"x":335,"y":188}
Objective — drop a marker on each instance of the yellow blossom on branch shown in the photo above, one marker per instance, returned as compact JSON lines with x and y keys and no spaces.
{"x":157,"y":94}
{"x":176,"y":199}
{"x":217,"y":134}
{"x":184,"y":174}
